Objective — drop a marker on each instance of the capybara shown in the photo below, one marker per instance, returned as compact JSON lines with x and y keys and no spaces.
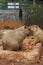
{"x":37,"y":32}
{"x":12,"y":38}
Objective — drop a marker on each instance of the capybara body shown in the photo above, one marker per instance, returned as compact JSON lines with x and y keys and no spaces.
{"x":12,"y":38}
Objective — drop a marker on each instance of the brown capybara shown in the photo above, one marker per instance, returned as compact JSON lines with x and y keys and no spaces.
{"x":37,"y":32}
{"x":12,"y":38}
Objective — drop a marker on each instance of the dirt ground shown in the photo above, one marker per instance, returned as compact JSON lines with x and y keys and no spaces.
{"x":9,"y":62}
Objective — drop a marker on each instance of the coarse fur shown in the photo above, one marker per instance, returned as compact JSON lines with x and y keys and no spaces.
{"x":12,"y":38}
{"x":37,"y":32}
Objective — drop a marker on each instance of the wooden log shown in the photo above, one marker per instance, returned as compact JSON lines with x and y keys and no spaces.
{"x":21,"y":56}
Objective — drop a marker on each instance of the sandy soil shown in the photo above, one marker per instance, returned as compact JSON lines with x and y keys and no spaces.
{"x":9,"y":62}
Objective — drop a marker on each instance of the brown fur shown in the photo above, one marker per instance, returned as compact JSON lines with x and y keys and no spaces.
{"x":12,"y":38}
{"x":37,"y":32}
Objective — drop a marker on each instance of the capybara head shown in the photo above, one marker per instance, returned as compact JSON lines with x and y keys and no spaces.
{"x":34,"y":28}
{"x":27,"y":30}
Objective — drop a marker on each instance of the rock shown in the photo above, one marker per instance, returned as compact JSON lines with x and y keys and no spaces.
{"x":29,"y":43}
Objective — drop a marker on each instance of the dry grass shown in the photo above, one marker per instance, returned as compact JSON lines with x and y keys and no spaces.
{"x":12,"y":24}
